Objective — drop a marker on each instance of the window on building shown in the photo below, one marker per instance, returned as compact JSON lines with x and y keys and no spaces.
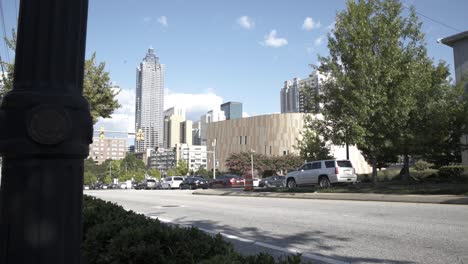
{"x":245,"y":140}
{"x":270,"y":150}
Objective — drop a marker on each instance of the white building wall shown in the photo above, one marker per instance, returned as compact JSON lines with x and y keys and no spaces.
{"x":195,"y":156}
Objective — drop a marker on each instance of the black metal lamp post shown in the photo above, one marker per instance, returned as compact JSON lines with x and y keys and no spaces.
{"x":45,"y":132}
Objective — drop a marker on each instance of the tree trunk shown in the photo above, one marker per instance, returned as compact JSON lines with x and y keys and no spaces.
{"x":374,"y":172}
{"x":347,"y":151}
{"x":404,"y":173}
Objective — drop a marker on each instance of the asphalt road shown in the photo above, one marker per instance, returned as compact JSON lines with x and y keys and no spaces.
{"x":349,"y":231}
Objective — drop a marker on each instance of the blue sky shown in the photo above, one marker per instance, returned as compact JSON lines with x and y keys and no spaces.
{"x":212,"y":54}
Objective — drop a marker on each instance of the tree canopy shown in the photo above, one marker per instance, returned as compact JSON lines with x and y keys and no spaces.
{"x":98,"y":89}
{"x":380,"y":83}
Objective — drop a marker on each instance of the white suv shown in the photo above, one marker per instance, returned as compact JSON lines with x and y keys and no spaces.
{"x":323,"y":173}
{"x":172,"y":182}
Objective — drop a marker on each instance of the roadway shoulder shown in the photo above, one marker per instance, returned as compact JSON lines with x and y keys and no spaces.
{"x":434,"y":199}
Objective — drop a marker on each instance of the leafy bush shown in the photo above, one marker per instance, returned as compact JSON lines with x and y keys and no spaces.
{"x":364,"y":178}
{"x":424,"y":174}
{"x":422,"y":165}
{"x":453,"y":173}
{"x":114,"y":235}
{"x":388,"y":175}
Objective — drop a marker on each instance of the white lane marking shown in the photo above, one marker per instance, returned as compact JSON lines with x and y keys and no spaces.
{"x":233,"y":237}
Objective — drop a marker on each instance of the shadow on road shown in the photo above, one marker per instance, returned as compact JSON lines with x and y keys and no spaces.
{"x":318,"y":240}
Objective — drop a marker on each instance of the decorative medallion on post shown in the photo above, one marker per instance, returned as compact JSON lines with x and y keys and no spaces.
{"x":45,"y":136}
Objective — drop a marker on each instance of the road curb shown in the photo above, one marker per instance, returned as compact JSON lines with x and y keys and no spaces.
{"x":431,"y":199}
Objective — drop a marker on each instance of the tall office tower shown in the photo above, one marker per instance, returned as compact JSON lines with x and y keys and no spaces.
{"x":149,"y":112}
{"x":292,"y":99}
{"x":232,"y":110}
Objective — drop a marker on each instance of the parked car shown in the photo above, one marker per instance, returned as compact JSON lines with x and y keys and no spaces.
{"x":323,"y":173}
{"x":150,"y":184}
{"x":194,"y":183}
{"x":272,"y":181}
{"x":256,"y":182}
{"x":227,"y":181}
{"x":139,"y":185}
{"x":172,"y":182}
{"x":113,"y":186}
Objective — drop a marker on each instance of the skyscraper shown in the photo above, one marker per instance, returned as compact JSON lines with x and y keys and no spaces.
{"x":232,"y":110}
{"x":149,"y":113}
{"x":292,"y":99}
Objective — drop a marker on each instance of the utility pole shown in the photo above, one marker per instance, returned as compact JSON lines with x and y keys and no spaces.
{"x":214,"y":158}
{"x":46,"y":129}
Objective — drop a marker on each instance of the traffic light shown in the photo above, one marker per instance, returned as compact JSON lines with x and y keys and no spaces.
{"x":139,"y":135}
{"x":101,"y":133}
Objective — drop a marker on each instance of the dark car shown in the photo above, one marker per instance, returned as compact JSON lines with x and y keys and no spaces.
{"x":227,"y":181}
{"x":147,"y":184}
{"x":272,"y":181}
{"x":194,"y":183}
{"x":113,"y":186}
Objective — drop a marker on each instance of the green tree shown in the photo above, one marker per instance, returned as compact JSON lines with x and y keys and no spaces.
{"x":154,"y":173}
{"x":239,"y":163}
{"x":287,"y":163}
{"x":131,"y":163}
{"x":98,"y":89}
{"x":376,"y":69}
{"x":171,"y":172}
{"x":89,"y":178}
{"x":442,"y":118}
{"x":7,"y":68}
{"x":182,"y":168}
{"x":202,"y":172}
{"x":312,"y":147}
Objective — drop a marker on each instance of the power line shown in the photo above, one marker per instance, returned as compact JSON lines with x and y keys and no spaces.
{"x":432,"y":19}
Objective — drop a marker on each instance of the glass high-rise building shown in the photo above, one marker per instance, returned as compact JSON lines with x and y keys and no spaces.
{"x":232,"y":110}
{"x":149,"y":113}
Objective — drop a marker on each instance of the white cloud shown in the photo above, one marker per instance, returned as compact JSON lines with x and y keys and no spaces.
{"x":272,"y":41}
{"x":123,"y":119}
{"x":147,"y":19}
{"x":245,"y":114}
{"x":195,"y":104}
{"x":331,"y":26}
{"x":309,"y":50}
{"x":318,"y":41}
{"x":310,"y":24}
{"x":163,"y":21}
{"x":246,"y":22}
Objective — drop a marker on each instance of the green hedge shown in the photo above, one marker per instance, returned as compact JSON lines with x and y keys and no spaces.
{"x":424,"y":174}
{"x":114,"y":235}
{"x":453,"y":173}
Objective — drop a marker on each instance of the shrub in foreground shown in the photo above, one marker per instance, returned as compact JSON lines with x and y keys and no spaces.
{"x":453,"y":173}
{"x":114,"y":235}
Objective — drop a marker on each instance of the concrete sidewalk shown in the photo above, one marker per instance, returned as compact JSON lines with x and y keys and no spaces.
{"x":433,"y":199}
